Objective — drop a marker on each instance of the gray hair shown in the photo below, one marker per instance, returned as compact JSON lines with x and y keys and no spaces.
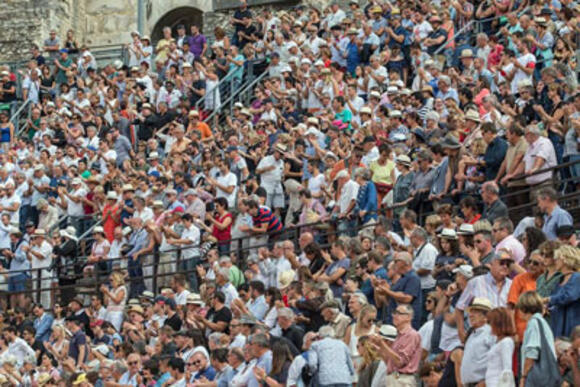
{"x":225,"y":259}
{"x":506,"y":223}
{"x":360,"y":298}
{"x":286,"y":313}
{"x":483,"y":36}
{"x":420,"y":233}
{"x":215,"y":337}
{"x":326,"y":331}
{"x":225,"y":272}
{"x":490,"y":187}
{"x":260,"y":339}
{"x":362,"y":172}
{"x":533,"y":129}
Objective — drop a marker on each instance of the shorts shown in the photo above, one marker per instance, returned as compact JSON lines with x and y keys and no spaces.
{"x":17,"y":283}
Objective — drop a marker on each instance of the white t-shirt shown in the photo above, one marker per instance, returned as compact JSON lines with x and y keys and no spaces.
{"x":193,"y":235}
{"x":227,"y":181}
{"x":528,"y":60}
{"x":348,"y":193}
{"x":10,"y":201}
{"x":181,"y":298}
{"x":381,"y":71}
{"x":426,"y":260}
{"x":273,"y":177}
{"x":315,"y":183}
{"x":76,"y":209}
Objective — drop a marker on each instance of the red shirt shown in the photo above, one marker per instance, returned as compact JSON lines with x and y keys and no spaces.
{"x":226,"y":233}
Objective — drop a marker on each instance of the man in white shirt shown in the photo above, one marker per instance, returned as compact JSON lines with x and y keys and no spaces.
{"x":335,"y":17}
{"x":225,"y":184}
{"x":73,"y":202}
{"x":222,"y":279}
{"x":39,"y":254}
{"x":346,"y":200}
{"x":189,"y":242}
{"x":273,"y":264}
{"x":10,"y":203}
{"x":179,"y":288}
{"x":424,"y":262}
{"x":17,"y":347}
{"x":502,"y":233}
{"x":523,"y":66}
{"x":271,"y":169}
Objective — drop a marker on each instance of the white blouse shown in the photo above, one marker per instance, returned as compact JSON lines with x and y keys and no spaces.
{"x":499,"y":360}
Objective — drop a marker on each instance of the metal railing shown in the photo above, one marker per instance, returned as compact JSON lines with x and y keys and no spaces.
{"x":23,"y":112}
{"x":243,"y":95}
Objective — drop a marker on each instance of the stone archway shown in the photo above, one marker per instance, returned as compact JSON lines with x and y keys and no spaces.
{"x":173,"y":12}
{"x":187,"y":16}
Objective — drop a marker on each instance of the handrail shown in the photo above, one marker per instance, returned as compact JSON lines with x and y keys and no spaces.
{"x":15,"y":119}
{"x":239,"y":92}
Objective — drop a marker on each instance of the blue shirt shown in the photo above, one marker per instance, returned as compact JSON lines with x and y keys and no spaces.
{"x":367,"y":201}
{"x":265,"y":362}
{"x":163,"y":379}
{"x":409,"y":284}
{"x":258,"y":307}
{"x":43,"y":326}
{"x":367,"y":286}
{"x":558,"y":217}
{"x":352,"y":57}
{"x":331,"y":357}
{"x":565,"y":306}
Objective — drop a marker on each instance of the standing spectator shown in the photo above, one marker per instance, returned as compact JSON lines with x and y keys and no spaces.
{"x":42,"y":323}
{"x":424,"y":263}
{"x":404,"y":354}
{"x":494,"y":207}
{"x":540,"y":155}
{"x":554,"y":215}
{"x":330,"y":360}
{"x":52,"y":44}
{"x":478,"y":343}
{"x":538,"y":341}
{"x":499,"y":357}
{"x":564,"y":302}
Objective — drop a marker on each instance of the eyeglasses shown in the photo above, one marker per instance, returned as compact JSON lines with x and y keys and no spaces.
{"x":535,"y":263}
{"x":400,"y":312}
{"x":190,"y":364}
{"x":506,"y":262}
{"x":133,"y":362}
{"x":196,"y":362}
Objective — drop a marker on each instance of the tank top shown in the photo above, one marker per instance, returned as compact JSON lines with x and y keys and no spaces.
{"x":5,"y":133}
{"x":353,"y":344}
{"x":112,"y":306}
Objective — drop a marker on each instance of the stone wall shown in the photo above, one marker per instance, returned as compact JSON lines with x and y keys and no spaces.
{"x":25,"y":22}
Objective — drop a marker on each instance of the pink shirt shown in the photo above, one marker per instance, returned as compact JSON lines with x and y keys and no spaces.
{"x":544,"y":149}
{"x":512,"y":244}
{"x":408,"y":346}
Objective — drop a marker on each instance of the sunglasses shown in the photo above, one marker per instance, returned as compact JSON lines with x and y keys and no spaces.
{"x":535,"y":263}
{"x":133,"y":363}
{"x":505,"y":262}
{"x":196,"y":362}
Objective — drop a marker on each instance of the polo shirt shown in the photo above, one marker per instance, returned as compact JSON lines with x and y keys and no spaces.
{"x":494,"y":156}
{"x":474,"y":362}
{"x":410,"y":284}
{"x":265,"y":215}
{"x":484,"y":286}
{"x":544,"y":149}
{"x":558,"y":217}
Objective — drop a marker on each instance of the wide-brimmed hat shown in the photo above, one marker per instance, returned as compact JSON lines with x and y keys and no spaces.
{"x":465,"y":229}
{"x":450,"y":142}
{"x":448,"y":233}
{"x":128,"y":187}
{"x":39,"y":233}
{"x":280,"y":148}
{"x":388,"y":332}
{"x":472,"y":115}
{"x":112,"y":195}
{"x":329,"y":304}
{"x":136,"y":309}
{"x":286,"y":278}
{"x":98,"y":229}
{"x":403,"y":159}
{"x":466,"y":53}
{"x":481,"y":303}
{"x":194,"y":298}
{"x":464,"y":270}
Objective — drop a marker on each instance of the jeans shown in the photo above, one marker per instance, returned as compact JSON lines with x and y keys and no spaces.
{"x":188,"y":266}
{"x":135,"y":269}
{"x":347,"y":227}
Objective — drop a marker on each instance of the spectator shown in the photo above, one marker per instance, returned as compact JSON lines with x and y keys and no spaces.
{"x":554,"y":215}
{"x":330,"y":359}
{"x":494,"y":207}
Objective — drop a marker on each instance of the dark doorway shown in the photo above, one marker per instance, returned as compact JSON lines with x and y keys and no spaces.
{"x":183,"y":15}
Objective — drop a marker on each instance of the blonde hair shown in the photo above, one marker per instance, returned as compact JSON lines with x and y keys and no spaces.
{"x":478,"y":146}
{"x":433,"y":221}
{"x":369,"y":354}
{"x":569,"y":255}
{"x":482,"y":225}
{"x":118,"y":278}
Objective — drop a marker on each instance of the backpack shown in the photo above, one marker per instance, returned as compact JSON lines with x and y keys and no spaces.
{"x":308,"y":374}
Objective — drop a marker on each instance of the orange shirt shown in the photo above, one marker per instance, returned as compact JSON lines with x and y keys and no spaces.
{"x":521,"y":283}
{"x":204,"y":129}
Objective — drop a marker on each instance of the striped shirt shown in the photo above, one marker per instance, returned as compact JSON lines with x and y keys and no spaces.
{"x":265,"y":215}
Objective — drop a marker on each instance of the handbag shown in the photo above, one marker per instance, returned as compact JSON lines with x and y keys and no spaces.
{"x":544,"y":372}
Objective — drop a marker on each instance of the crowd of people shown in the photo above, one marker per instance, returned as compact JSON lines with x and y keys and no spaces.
{"x":358,"y":223}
